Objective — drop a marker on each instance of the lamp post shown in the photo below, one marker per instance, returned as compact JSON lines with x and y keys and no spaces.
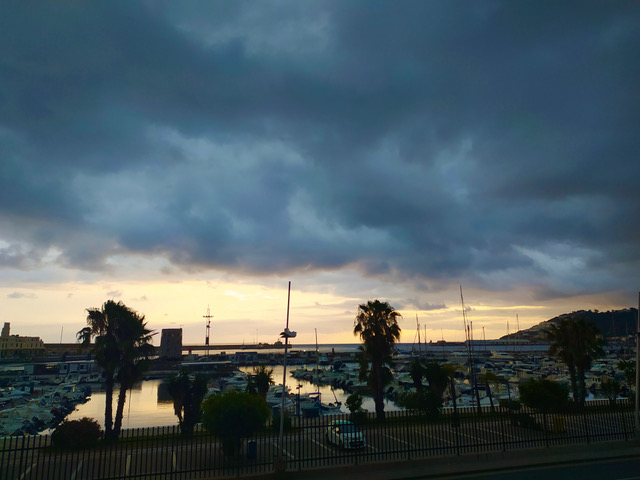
{"x":637,"y":418}
{"x":286,"y":334}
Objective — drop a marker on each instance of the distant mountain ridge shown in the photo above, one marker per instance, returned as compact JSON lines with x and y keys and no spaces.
{"x":613,"y":323}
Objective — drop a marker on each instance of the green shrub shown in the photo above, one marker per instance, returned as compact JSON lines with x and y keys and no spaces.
{"x":358,"y":417}
{"x":425,"y":402}
{"x":232,"y":416}
{"x":286,"y":424}
{"x":510,"y":404}
{"x":354,"y":404}
{"x":544,"y":395}
{"x":77,"y":434}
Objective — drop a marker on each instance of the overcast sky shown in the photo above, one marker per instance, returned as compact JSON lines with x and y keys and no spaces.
{"x":179,"y":155}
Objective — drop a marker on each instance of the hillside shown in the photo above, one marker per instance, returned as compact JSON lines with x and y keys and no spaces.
{"x":614,"y":323}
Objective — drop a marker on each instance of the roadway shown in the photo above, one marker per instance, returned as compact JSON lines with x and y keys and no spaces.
{"x":618,"y":460}
{"x":307,"y":448}
{"x":594,"y":470}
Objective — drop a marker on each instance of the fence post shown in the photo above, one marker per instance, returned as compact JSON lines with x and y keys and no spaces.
{"x":20,"y":468}
{"x":624,"y":423}
{"x":501,"y":420}
{"x":585,"y":423}
{"x":458,"y":439}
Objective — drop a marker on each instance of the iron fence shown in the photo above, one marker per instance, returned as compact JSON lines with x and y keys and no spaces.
{"x":161,"y":452}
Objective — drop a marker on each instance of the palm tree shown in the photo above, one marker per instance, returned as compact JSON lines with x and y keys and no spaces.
{"x":611,"y":388}
{"x":488,"y":378}
{"x":589,"y":346}
{"x":187,"y":392}
{"x":121,"y":339}
{"x":416,"y":373}
{"x":376,"y":323}
{"x":561,"y":346}
{"x":629,"y":369}
{"x":438,"y":379}
{"x":100,"y":326}
{"x":450,"y":370}
{"x":576,"y":343}
{"x":135,"y":348}
{"x":263,"y":378}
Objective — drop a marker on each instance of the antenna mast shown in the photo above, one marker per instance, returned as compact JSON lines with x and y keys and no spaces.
{"x":208,"y":317}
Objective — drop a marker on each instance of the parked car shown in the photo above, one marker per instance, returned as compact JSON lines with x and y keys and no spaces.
{"x":345,"y":434}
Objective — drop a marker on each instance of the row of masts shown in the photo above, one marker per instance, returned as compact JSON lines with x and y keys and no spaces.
{"x":468,"y":329}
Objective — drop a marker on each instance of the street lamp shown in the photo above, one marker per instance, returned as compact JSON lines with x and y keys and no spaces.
{"x":637,"y":400}
{"x":286,"y":334}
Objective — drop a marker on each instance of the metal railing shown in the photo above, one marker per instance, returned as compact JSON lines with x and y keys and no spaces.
{"x":161,"y":452}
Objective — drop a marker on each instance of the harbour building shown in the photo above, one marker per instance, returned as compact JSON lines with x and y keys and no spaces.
{"x":18,"y":346}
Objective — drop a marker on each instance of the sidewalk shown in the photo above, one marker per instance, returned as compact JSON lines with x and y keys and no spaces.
{"x":439,"y":467}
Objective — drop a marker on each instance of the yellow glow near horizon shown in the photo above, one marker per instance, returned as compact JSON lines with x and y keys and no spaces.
{"x":249,"y":311}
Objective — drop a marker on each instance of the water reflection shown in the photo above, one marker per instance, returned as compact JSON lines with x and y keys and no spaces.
{"x":145,"y":407}
{"x":328,"y":393}
{"x":163,"y":394}
{"x":149,"y":403}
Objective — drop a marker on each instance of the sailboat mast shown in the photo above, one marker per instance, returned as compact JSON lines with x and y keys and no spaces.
{"x":425,"y":339}
{"x":472,"y":368}
{"x":484,"y":340}
{"x":518,"y":333}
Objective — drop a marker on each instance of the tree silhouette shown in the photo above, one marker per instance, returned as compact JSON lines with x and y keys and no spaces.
{"x":232,"y":416}
{"x":488,"y":378}
{"x":450,"y":370}
{"x":135,"y":347}
{"x":122,"y":347}
{"x":263,"y":378}
{"x":377,"y":324}
{"x":187,"y":392}
{"x":576,"y":343}
{"x":416,"y":372}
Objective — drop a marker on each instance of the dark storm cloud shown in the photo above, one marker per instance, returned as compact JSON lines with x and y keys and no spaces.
{"x":491,"y":141}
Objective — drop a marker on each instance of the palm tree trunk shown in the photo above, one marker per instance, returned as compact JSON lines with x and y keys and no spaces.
{"x":574,"y":384}
{"x":488,"y":387}
{"x":122,"y":398}
{"x":377,"y":389}
{"x":108,"y":408}
{"x":452,"y":387}
{"x":582,"y":388}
